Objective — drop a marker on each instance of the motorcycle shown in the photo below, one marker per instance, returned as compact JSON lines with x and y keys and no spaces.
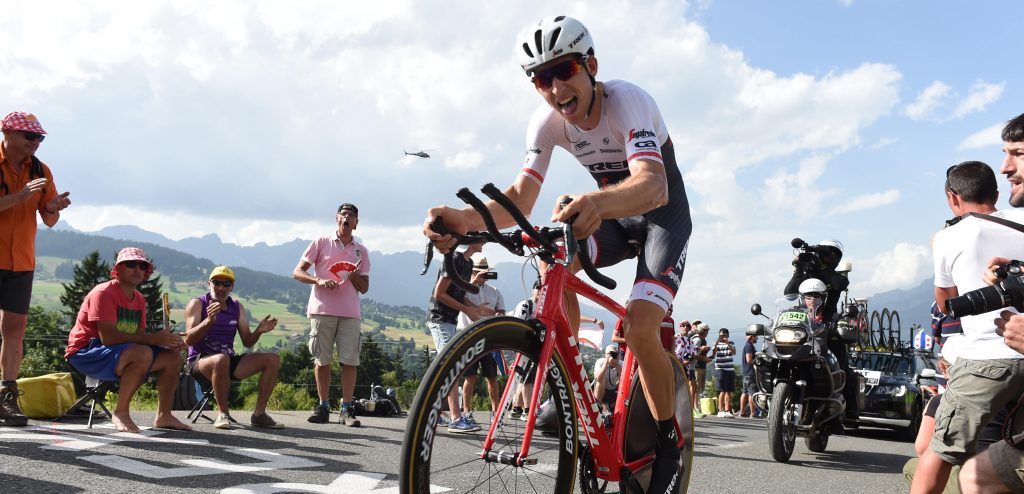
{"x":800,"y":383}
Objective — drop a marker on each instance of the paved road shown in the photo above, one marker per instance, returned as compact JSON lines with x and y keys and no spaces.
{"x":45,"y":457}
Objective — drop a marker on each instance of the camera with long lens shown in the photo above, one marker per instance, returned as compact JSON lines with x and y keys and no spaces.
{"x":1008,"y":292}
{"x":808,"y":257}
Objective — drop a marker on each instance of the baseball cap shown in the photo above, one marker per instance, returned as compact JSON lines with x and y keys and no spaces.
{"x":349,"y":206}
{"x":19,"y":120}
{"x":223,"y":272}
{"x":704,"y":327}
{"x":611,"y":349}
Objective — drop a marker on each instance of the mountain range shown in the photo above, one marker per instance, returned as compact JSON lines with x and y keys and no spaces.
{"x":395,"y":278}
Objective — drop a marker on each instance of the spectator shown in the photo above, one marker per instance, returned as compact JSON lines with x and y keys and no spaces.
{"x":211,"y":322}
{"x":725,"y":373}
{"x":668,"y":330}
{"x":686,"y":351}
{"x":988,"y":375}
{"x":446,"y":302}
{"x":109,"y":342}
{"x":521,"y":401}
{"x":747,"y":407}
{"x":490,"y":303}
{"x":702,"y":358}
{"x":342,"y":267}
{"x":26,"y":186}
{"x":607,"y":371}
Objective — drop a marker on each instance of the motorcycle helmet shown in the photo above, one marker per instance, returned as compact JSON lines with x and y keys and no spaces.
{"x":812,"y":286}
{"x":551,"y":38}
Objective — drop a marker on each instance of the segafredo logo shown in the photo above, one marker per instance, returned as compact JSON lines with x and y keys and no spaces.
{"x":639,"y":134}
{"x":463,"y":361}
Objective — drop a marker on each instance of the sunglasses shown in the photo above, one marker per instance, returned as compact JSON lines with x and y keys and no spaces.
{"x":225,"y":284}
{"x":143,"y":265}
{"x":33,"y":136}
{"x":564,"y":71}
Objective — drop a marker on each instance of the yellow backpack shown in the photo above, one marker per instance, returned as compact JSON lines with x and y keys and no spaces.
{"x":46,"y":397}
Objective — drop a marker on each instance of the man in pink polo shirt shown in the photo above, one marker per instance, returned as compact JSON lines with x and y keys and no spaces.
{"x":342,"y":267}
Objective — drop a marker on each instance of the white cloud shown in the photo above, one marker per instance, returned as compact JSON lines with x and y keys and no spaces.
{"x":936,"y":99}
{"x":928,"y":101}
{"x":866,"y":201}
{"x":978,"y":98}
{"x":989,"y":136}
{"x":884,"y":142}
{"x":464,"y":160}
{"x":903,"y":266}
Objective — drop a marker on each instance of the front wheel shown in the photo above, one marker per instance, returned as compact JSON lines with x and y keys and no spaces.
{"x":782,"y":422}
{"x":435,"y":460}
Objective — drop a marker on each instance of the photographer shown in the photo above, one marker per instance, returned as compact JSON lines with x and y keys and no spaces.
{"x":819,"y":262}
{"x":607,"y":371}
{"x":988,"y":375}
{"x":490,"y":302}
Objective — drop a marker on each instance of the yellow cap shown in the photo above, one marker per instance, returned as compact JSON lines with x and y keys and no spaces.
{"x":222,"y":272}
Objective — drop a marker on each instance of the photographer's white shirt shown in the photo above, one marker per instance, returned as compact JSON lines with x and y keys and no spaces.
{"x":488,"y":296}
{"x":961,"y":254}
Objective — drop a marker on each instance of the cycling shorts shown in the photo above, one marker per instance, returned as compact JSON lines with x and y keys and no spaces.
{"x":658,"y":239}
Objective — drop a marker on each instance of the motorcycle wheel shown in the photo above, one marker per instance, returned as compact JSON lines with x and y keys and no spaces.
{"x":781,"y":426}
{"x":817,"y":442}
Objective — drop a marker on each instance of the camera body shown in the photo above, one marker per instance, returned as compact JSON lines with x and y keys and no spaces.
{"x":1007,"y":293}
{"x":491,"y":275}
{"x":808,"y":258}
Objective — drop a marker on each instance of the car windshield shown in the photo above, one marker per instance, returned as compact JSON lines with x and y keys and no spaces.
{"x":884,"y":363}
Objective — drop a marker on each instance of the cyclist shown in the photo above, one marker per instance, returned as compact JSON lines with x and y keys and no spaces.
{"x":615,"y":130}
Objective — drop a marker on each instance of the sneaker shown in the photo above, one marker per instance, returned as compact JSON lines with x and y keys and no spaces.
{"x":516,"y":413}
{"x":348,"y":417}
{"x":698,"y":415}
{"x":223,"y":421}
{"x":321,"y":414}
{"x":265,"y":421}
{"x":10,"y":412}
{"x":727,"y":414}
{"x":462,"y":426}
{"x":469,"y":418}
{"x":745,"y":414}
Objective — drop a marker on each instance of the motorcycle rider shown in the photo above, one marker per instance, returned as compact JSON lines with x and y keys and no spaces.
{"x":814,"y":295}
{"x":835,"y":283}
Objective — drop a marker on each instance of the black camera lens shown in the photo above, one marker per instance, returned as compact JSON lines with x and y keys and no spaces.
{"x":978,"y":301}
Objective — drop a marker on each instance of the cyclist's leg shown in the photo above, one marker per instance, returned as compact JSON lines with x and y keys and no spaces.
{"x":608,"y":245}
{"x":658,"y":273}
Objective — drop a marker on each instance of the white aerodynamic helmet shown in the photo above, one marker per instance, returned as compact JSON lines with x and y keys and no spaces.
{"x":813,"y":285}
{"x":551,"y":38}
{"x":835,"y":244}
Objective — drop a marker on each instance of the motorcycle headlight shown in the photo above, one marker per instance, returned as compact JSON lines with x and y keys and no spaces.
{"x":896,"y":390}
{"x":787,"y":335}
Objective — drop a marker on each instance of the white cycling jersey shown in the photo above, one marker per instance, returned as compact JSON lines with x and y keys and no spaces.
{"x":631,"y":127}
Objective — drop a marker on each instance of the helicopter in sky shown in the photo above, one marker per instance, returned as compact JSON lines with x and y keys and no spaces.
{"x":421,"y":154}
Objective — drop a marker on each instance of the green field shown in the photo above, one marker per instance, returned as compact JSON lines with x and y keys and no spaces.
{"x":46,"y":291}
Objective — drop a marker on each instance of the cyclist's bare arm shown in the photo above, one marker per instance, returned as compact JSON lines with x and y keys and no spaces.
{"x":646,"y":189}
{"x":523,"y":192}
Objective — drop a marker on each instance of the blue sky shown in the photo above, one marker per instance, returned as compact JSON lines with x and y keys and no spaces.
{"x":817,"y":119}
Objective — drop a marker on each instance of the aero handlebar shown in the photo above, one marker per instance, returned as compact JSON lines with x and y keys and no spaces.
{"x":541,"y":239}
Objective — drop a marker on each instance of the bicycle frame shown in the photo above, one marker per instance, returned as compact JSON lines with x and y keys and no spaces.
{"x":607,"y":451}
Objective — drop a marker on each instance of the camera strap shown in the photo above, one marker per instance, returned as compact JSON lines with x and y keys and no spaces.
{"x":1002,"y":221}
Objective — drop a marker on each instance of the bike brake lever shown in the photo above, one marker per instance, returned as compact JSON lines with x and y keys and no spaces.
{"x":473,"y":201}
